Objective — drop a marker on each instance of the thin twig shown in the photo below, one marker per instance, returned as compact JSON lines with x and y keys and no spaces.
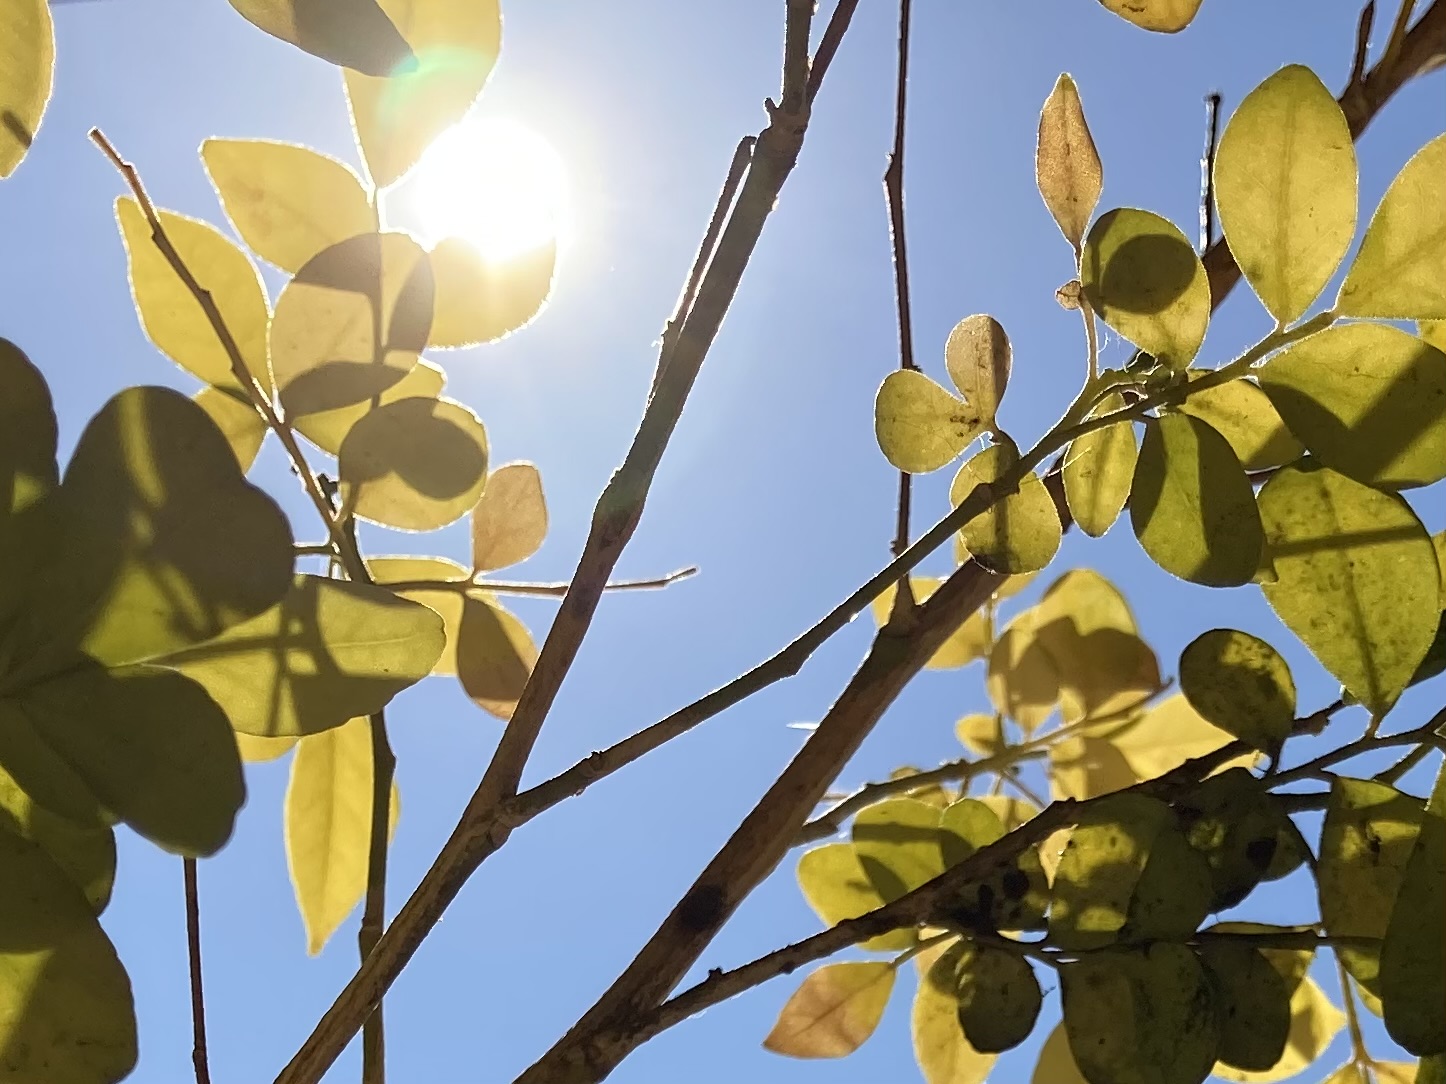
{"x":199,"y":1059}
{"x":1360,"y":1056}
{"x":1207,"y":171}
{"x":545,"y":590}
{"x":374,"y":908}
{"x":833,"y":34}
{"x":1312,"y":769}
{"x":1363,"y":44}
{"x":1392,"y":775}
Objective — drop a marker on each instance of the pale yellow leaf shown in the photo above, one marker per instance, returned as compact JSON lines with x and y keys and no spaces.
{"x":256,"y":749}
{"x":1067,"y":167}
{"x":1164,"y":16}
{"x":940,"y":1048}
{"x":495,"y":655}
{"x":480,"y":300}
{"x":836,"y":1008}
{"x":240,"y":422}
{"x":509,"y":522}
{"x":27,"y":62}
{"x":978,"y":358}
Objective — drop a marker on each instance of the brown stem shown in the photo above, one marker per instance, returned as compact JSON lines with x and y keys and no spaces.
{"x":374,"y":909}
{"x":894,"y":201}
{"x":199,"y":1060}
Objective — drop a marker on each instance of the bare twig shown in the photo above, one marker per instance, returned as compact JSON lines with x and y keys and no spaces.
{"x":544,"y":590}
{"x":1421,"y":735}
{"x":374,"y":908}
{"x":199,"y":1059}
{"x":1363,"y":44}
{"x":1207,"y":171}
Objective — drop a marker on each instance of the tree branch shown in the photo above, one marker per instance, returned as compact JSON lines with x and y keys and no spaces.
{"x":199,"y":1059}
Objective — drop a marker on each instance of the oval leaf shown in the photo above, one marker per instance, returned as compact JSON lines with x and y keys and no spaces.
{"x":1056,"y":1061}
{"x":481,"y":300}
{"x":1021,"y":532}
{"x":447,"y":602}
{"x":1067,"y":167}
{"x":1356,"y":578}
{"x":352,"y":33}
{"x":1399,"y":270}
{"x":1145,"y":281}
{"x":1254,"y":1005}
{"x":510,"y":521}
{"x":940,"y":1046}
{"x":1242,"y":685}
{"x":834,"y":883}
{"x":25,"y":77}
{"x":1368,"y":400}
{"x":1241,"y":413}
{"x":897,"y":842}
{"x":1285,"y":185}
{"x":977,"y":357}
{"x":1314,"y":1024}
{"x":1413,"y":955}
{"x":835,"y":1009}
{"x":1191,"y":505}
{"x":85,"y":855}
{"x":1164,"y":16}
{"x":997,"y":994}
{"x":328,"y":429}
{"x":1098,"y":470}
{"x":495,"y":655}
{"x":920,"y":426}
{"x":240,"y":422}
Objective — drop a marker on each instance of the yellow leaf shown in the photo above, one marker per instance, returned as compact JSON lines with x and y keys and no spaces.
{"x":1145,"y":281}
{"x":170,"y":313}
{"x":977,"y":357}
{"x":1434,"y":332}
{"x":1023,"y":681}
{"x":1056,"y":1061}
{"x":1400,"y":270}
{"x":448,"y":603}
{"x":288,"y":202}
{"x":1021,"y":532}
{"x":1241,"y":413}
{"x":480,"y":300}
{"x":968,"y":642}
{"x":919,"y":426}
{"x":416,"y":464}
{"x":943,"y":1053}
{"x":1285,"y":184}
{"x":833,"y":882}
{"x":1012,"y":812}
{"x":1067,"y":167}
{"x":352,"y":323}
{"x":240,"y":422}
{"x":1241,"y":684}
{"x":1165,"y":16}
{"x":495,"y":655}
{"x":979,"y":734}
{"x":27,"y":62}
{"x":455,"y":43}
{"x":328,"y":826}
{"x":509,"y":522}
{"x":329,"y":428}
{"x":255,"y":749}
{"x":1098,"y":470}
{"x":1314,"y":1022}
{"x":353,"y":33}
{"x":835,"y":1009}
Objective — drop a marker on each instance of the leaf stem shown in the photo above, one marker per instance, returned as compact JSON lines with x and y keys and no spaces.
{"x":199,"y":1058}
{"x":544,"y":590}
{"x":894,"y":203}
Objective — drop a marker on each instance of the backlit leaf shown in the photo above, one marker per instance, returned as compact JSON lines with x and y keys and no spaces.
{"x":1098,"y":470}
{"x":897,"y":841}
{"x":834,"y":884}
{"x":997,"y":992}
{"x":1056,"y":1061}
{"x":1434,"y":332}
{"x":1254,"y":1005}
{"x":1191,"y":505}
{"x":330,"y":650}
{"x":1241,"y":413}
{"x":968,"y":642}
{"x":26,"y":69}
{"x":352,"y":33}
{"x":1012,"y":898}
{"x":239,"y":422}
{"x":1290,"y":964}
{"x":979,"y":734}
{"x":329,"y":428}
{"x":1314,"y":1023}
{"x":85,"y":855}
{"x":495,"y":655}
{"x":288,"y":202}
{"x":978,"y":357}
{"x":417,"y":464}
{"x":836,"y":1008}
{"x":1241,"y":684}
{"x":1145,"y":281}
{"x":170,"y":313}
{"x":1285,"y":184}
{"x":1023,"y":679}
{"x":1356,"y":578}
{"x":481,"y":300}
{"x":1067,"y":167}
{"x":510,"y":521}
{"x":257,"y":750}
{"x":1140,"y":1016}
{"x":940,"y":1046}
{"x":448,"y":603}
{"x":1021,"y":532}
{"x":919,"y":426}
{"x":455,"y":43}
{"x":1413,"y":955}
{"x":328,"y":826}
{"x":1237,"y":825}
{"x":1400,"y":270}
{"x":1165,"y":16}
{"x":1368,"y":400}
{"x":352,"y":323}
{"x":28,"y":473}
{"x":66,"y":1012}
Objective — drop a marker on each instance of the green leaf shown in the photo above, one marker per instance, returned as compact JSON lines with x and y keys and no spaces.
{"x":417,"y":464}
{"x":288,"y":202}
{"x":833,"y":882}
{"x":898,"y":845}
{"x":1366,"y":843}
{"x":1290,"y":964}
{"x":1254,"y":1005}
{"x":979,"y":733}
{"x":495,"y":655}
{"x":509,"y":522}
{"x":1098,"y":470}
{"x":997,"y":994}
{"x":481,"y":299}
{"x":85,"y":855}
{"x":1356,"y":578}
{"x":455,"y":43}
{"x":1433,"y":332}
{"x":328,"y":429}
{"x":1241,"y":413}
{"x":163,"y":543}
{"x":1145,"y":281}
{"x":169,"y":311}
{"x":1398,"y":272}
{"x":1285,"y":184}
{"x":1021,"y":532}
{"x":330,"y":650}
{"x":940,"y":1046}
{"x":1431,"y":1070}
{"x":1141,"y":1016}
{"x":328,"y":826}
{"x":1242,"y":685}
{"x":25,"y":76}
{"x":66,"y":1012}
{"x":1067,"y":167}
{"x":919,"y":426}
{"x":151,"y":747}
{"x":240,"y":423}
{"x":978,"y":358}
{"x":1056,"y":1063}
{"x":1413,"y":955}
{"x":28,"y":474}
{"x":1191,"y":505}
{"x":1164,"y":16}
{"x":1237,"y":825}
{"x":351,"y":33}
{"x":1012,"y":898}
{"x":1368,"y":400}
{"x":1314,"y":1023}
{"x":836,"y":1008}
{"x":352,"y":323}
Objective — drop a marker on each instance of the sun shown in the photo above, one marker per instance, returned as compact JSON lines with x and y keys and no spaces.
{"x":494,"y":182}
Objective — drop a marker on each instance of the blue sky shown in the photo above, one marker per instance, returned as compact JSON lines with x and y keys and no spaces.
{"x":773,"y":485}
